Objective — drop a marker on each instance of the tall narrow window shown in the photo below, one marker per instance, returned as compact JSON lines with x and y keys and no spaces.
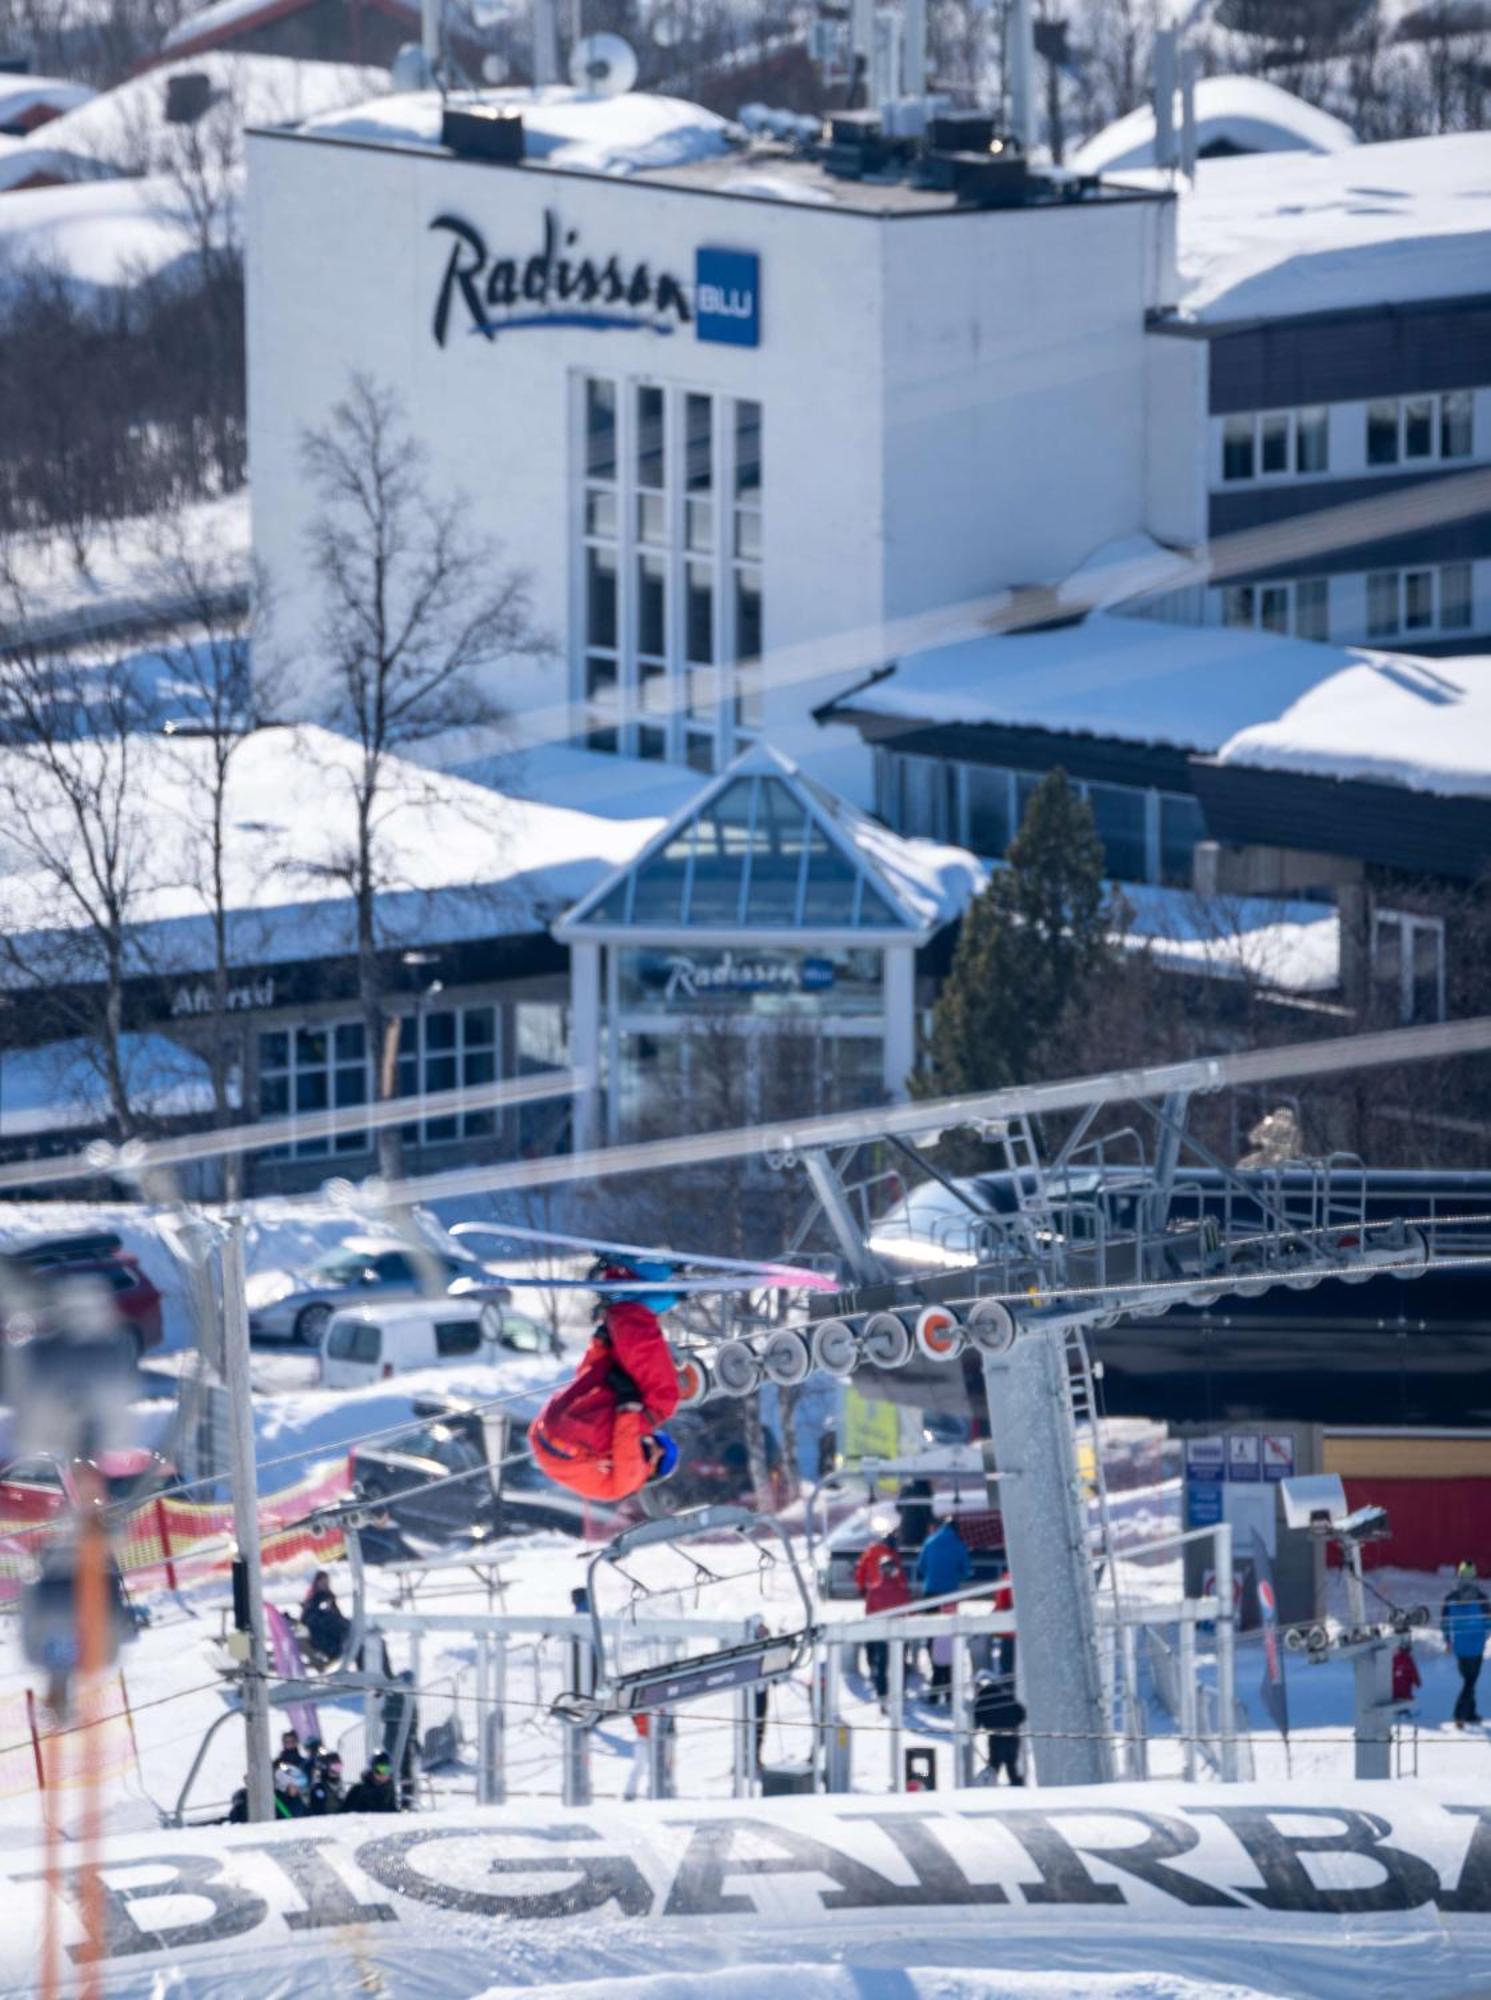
{"x":1456,"y":424}
{"x":1273,"y":607}
{"x":1274,"y":442}
{"x":1382,"y":604}
{"x":1418,"y":600}
{"x":1382,"y":433}
{"x":1312,"y":608}
{"x":1237,"y":448}
{"x":1312,"y":435}
{"x":1418,"y":427}
{"x":1456,"y":612}
{"x":1238,"y":604}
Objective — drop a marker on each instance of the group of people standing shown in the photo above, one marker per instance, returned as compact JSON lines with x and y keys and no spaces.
{"x":942,"y":1566}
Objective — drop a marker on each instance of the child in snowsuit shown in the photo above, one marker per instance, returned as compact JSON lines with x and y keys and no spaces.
{"x":601,"y":1434}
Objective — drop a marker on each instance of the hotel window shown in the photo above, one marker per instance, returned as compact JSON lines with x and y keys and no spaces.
{"x":1410,"y":429}
{"x":1408,"y":965}
{"x":669,"y":562}
{"x":1302,"y":608}
{"x":316,"y":1068}
{"x":1413,"y":601}
{"x":448,"y":1048}
{"x":1275,"y":444}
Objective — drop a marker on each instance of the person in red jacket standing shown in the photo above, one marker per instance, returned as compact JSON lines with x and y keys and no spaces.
{"x":881,"y":1581}
{"x":1407,"y":1680}
{"x":601,"y":1435}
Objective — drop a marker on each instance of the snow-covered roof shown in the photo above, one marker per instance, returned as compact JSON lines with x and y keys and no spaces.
{"x":1283,"y":233}
{"x":634,"y":133}
{"x":1287,"y":946}
{"x":1246,"y":113}
{"x":60,"y":1086}
{"x":98,"y":232}
{"x":763,"y":847}
{"x":1136,"y":679}
{"x":458,"y":861}
{"x":22,"y":97}
{"x":124,"y":130}
{"x":1421,"y":724}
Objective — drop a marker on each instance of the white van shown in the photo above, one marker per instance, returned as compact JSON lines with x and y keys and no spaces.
{"x":372,"y":1342}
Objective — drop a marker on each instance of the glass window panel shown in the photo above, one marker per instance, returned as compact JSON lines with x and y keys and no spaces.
{"x":1237,"y":448}
{"x":652,"y":517}
{"x":274,"y":1096}
{"x":703,"y":694}
{"x":600,"y":677}
{"x":1026,"y":785}
{"x":310,"y":1046}
{"x":698,"y":523}
{"x":1274,"y":453}
{"x":1426,"y":948}
{"x":1456,"y":424}
{"x":652,"y":744}
{"x":603,"y":738}
{"x":723,"y":836}
{"x":658,"y":891}
{"x":600,"y":511}
{"x":830,"y":891}
{"x":541,"y":1035}
{"x":1418,"y":600}
{"x":1312,"y":437}
{"x":698,"y":753}
{"x":652,"y":688}
{"x":652,"y":605}
{"x":782,"y":827}
{"x":408,"y":1034}
{"x":651,"y":439}
{"x":600,"y":597}
{"x":600,"y":429}
{"x":274,"y":1049}
{"x":1273,"y":607}
{"x":440,"y":1073}
{"x":874,"y":912}
{"x":351,"y":1086}
{"x":1382,"y":604}
{"x":1181,"y":827}
{"x":1418,"y":427}
{"x":479,"y":1066}
{"x":747,"y":614}
{"x":350,"y":1142}
{"x":1119,"y":813}
{"x":439,"y":1130}
{"x":1382,"y":433}
{"x":750,"y":700}
{"x":1455,"y":606}
{"x":748,"y":533}
{"x":698,"y":425}
{"x":988,"y":806}
{"x":747,"y":448}
{"x":440,"y":1029}
{"x":921,"y":797}
{"x":699,"y":614}
{"x":351,"y":1041}
{"x":1387,"y":960}
{"x":1237,"y":604}
{"x":1312,"y":608}
{"x":310,"y":1090}
{"x":479,"y":1027}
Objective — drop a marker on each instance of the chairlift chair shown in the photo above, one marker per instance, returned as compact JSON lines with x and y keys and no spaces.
{"x":751,"y":1663}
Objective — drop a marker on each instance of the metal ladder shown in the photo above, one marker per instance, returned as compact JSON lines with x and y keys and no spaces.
{"x":1082,"y":1410}
{"x":1043,"y":1239}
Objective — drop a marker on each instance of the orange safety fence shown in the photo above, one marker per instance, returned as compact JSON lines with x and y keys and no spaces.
{"x":168,"y":1544}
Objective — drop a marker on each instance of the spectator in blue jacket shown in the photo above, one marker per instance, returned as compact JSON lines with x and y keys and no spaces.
{"x":944,"y":1564}
{"x":1465,"y":1622}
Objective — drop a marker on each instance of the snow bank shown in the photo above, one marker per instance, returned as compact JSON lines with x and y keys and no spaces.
{"x":1246,"y":113}
{"x":1141,"y":680}
{"x":1153,"y":1890}
{"x":121,"y":575}
{"x":99,"y":232}
{"x":1421,"y":724}
{"x":1386,"y":224}
{"x":562,"y":127}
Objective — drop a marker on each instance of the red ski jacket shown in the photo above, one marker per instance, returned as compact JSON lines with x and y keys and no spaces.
{"x":1406,"y":1677}
{"x":880,"y":1579}
{"x":582,"y":1438}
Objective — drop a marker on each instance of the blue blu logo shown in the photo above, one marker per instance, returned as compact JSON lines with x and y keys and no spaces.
{"x":727,"y":297}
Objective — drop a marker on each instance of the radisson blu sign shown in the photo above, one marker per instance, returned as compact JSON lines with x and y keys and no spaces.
{"x":561,"y":282}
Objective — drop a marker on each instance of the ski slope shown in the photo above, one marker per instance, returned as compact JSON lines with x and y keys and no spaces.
{"x":1159,"y":1891}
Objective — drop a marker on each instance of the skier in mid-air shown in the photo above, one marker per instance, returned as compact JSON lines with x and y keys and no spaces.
{"x":601,"y":1435}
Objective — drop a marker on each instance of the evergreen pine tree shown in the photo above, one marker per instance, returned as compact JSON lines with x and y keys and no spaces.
{"x":1032,"y":948}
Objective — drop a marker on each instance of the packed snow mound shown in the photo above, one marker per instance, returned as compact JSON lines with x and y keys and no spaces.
{"x":1239,"y":114}
{"x":562,"y":127}
{"x":95,"y":230}
{"x":1153,"y":1890}
{"x":24,"y":98}
{"x":1422,"y":724}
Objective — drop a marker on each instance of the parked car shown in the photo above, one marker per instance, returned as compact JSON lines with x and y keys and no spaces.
{"x":42,"y":1487}
{"x":369,"y":1343}
{"x":101,"y":1255}
{"x":298,"y":1305}
{"x":412,"y":1473}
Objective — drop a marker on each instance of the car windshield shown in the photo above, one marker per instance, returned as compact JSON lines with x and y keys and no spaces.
{"x":341,"y":1267}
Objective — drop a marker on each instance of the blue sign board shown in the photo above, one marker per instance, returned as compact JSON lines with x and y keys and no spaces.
{"x":727,"y":297}
{"x":1203,"y":1503}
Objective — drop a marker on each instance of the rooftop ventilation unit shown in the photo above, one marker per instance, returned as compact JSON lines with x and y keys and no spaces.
{"x":483,"y":132}
{"x":188,"y":96}
{"x":961,"y":132}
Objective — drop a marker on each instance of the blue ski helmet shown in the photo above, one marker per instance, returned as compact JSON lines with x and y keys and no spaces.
{"x":653,"y":1273}
{"x":667,"y":1463}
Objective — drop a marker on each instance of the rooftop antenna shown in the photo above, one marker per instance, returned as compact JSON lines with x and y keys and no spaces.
{"x":545,"y":44}
{"x":1020,"y":70}
{"x":603,"y":66}
{"x":914,"y":53}
{"x":1188,"y":68}
{"x":1166,"y":152}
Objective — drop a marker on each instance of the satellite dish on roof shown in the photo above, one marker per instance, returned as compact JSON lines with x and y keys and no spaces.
{"x":603,"y":65}
{"x":668,"y":28}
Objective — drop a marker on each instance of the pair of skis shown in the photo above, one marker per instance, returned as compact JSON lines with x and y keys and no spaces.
{"x":696,"y":1272}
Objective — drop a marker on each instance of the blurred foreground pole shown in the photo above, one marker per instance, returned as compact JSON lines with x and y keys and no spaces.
{"x":245,"y":1488}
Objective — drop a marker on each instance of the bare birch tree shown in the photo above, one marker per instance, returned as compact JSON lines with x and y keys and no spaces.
{"x":416,"y":614}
